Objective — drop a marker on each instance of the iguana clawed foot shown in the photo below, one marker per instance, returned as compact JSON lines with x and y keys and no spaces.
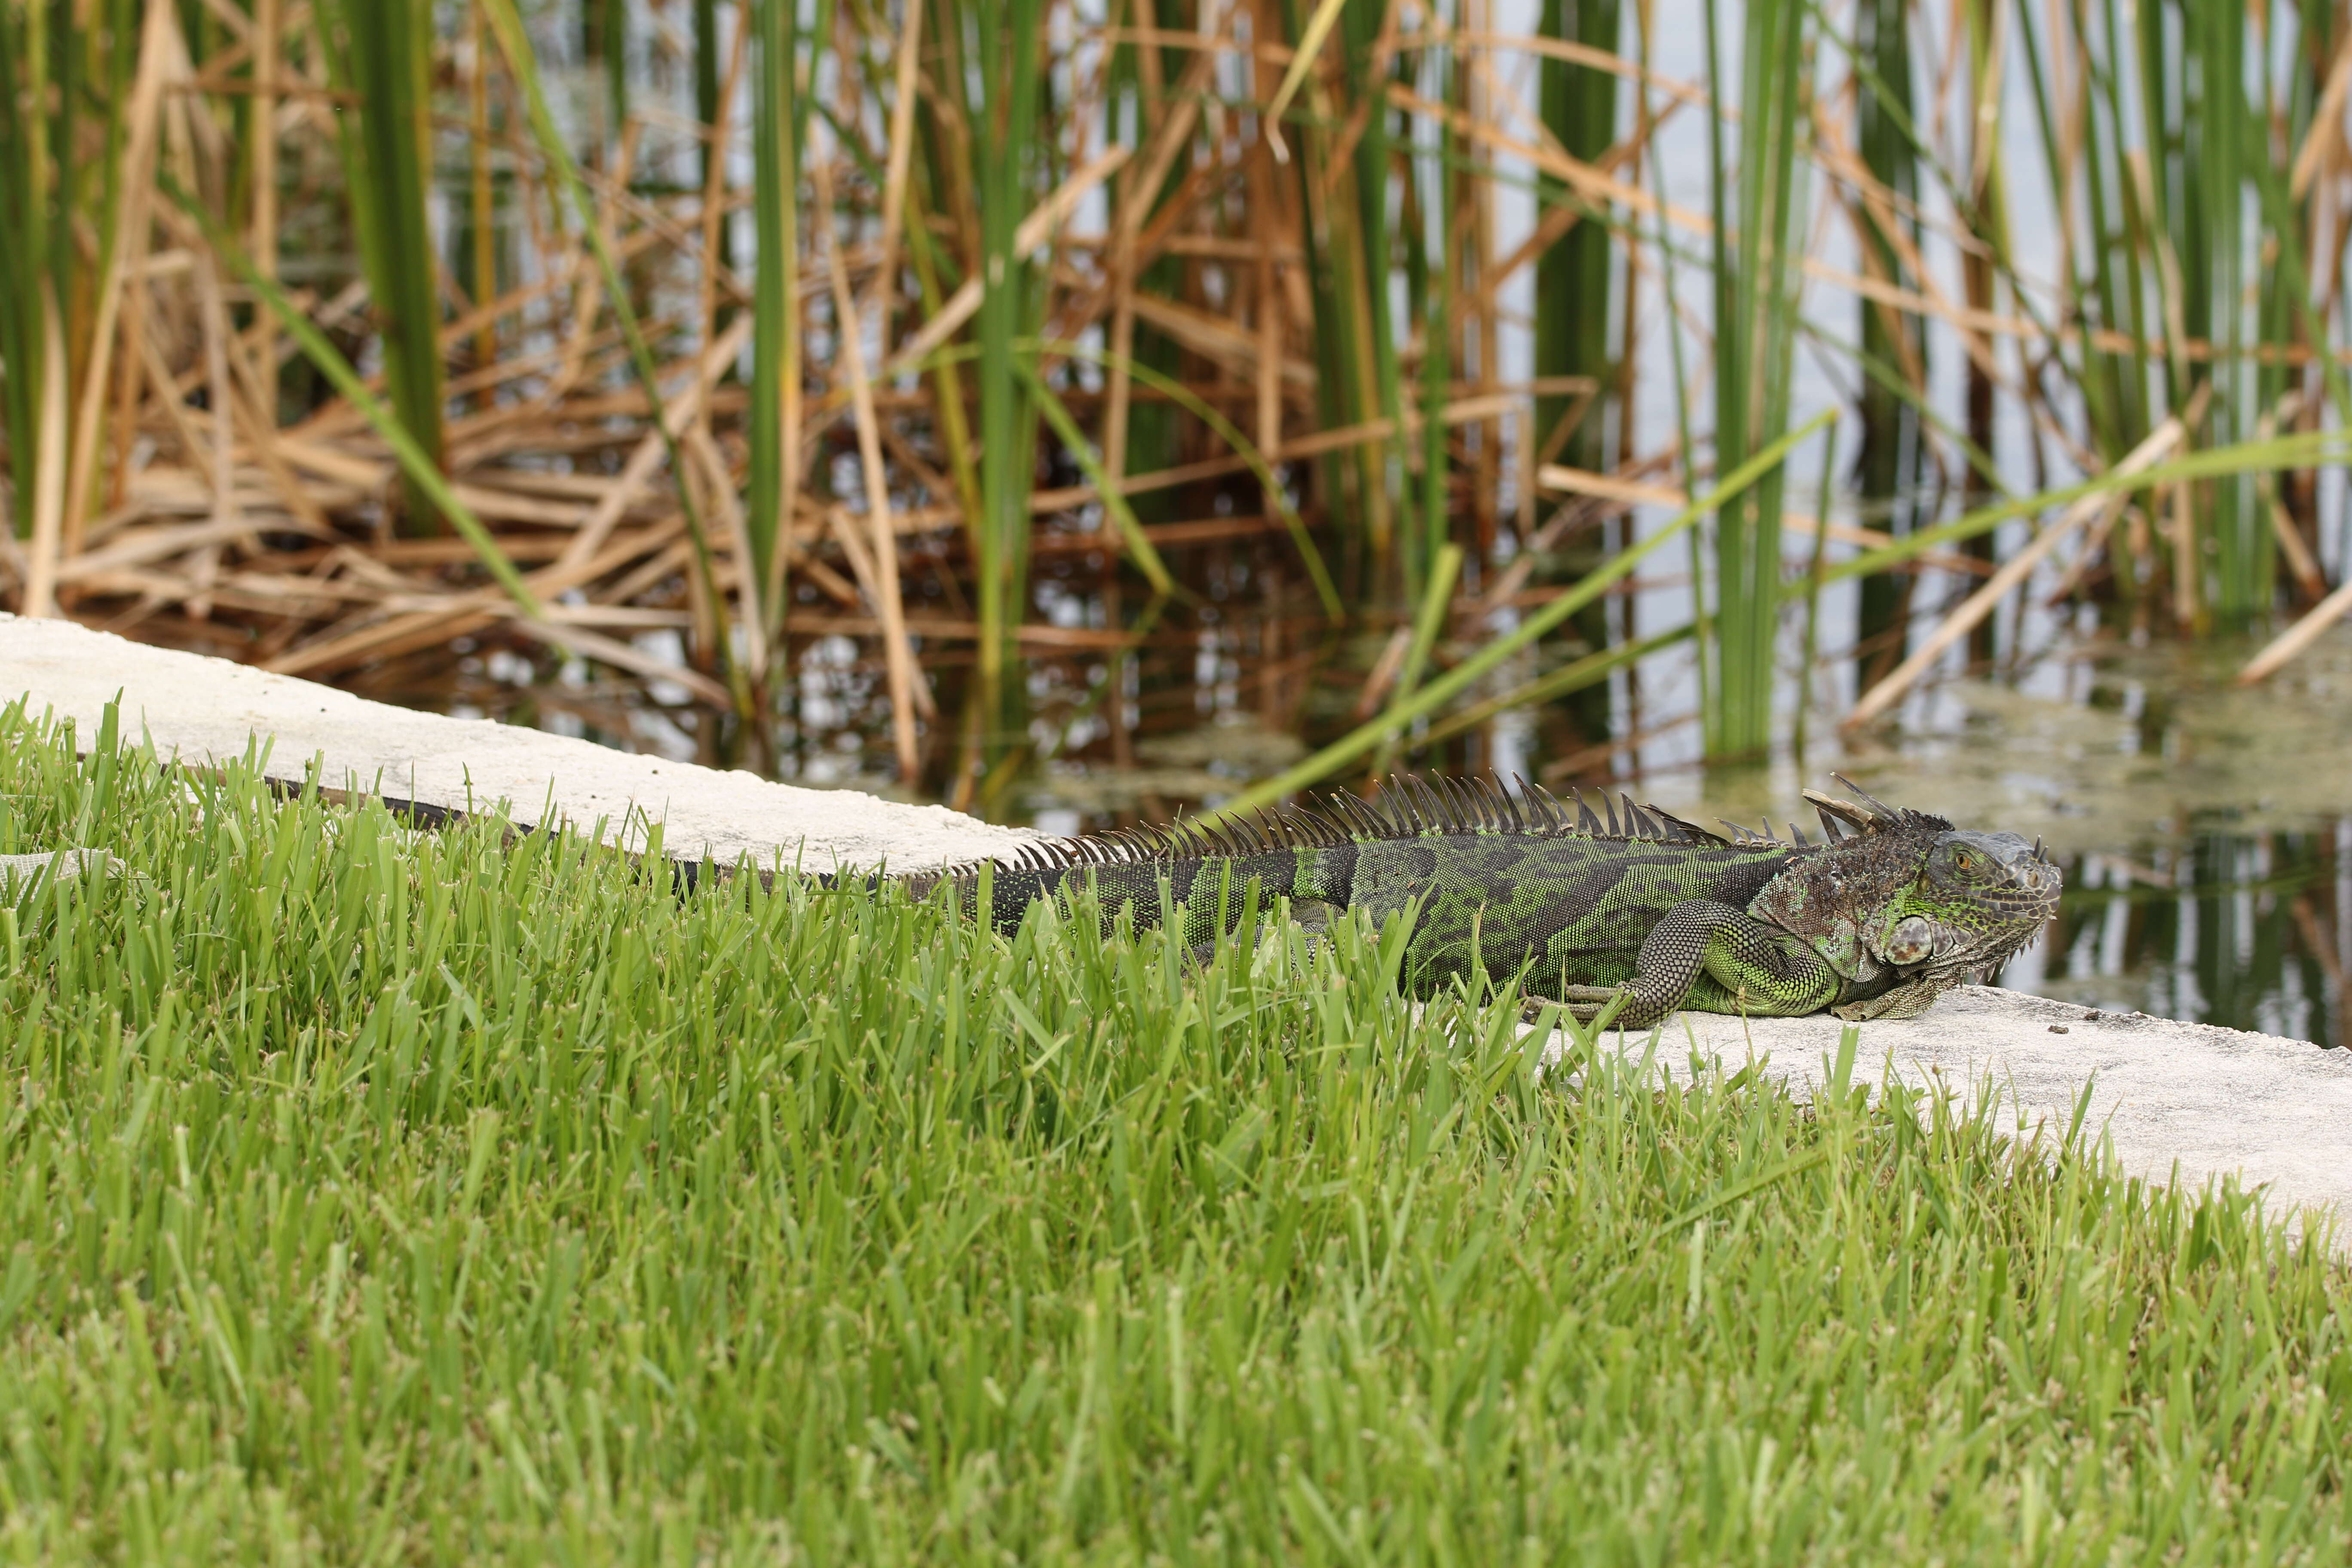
{"x":1584,"y":1003}
{"x":1905,"y":1001}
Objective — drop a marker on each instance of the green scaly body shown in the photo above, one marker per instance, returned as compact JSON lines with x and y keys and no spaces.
{"x":1630,"y":906}
{"x":1581,"y":906}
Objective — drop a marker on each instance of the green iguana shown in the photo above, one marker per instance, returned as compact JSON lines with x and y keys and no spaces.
{"x":1894,"y":909}
{"x":1581,"y":906}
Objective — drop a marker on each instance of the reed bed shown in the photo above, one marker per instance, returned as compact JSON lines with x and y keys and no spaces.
{"x":1005,"y":385}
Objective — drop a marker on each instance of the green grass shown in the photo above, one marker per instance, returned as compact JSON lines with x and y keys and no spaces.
{"x":372,"y":1196}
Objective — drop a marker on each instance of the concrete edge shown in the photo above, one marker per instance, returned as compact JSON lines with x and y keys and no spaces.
{"x":209,"y":711}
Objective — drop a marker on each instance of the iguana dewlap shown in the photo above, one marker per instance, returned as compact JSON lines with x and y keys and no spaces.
{"x":1580,"y":906}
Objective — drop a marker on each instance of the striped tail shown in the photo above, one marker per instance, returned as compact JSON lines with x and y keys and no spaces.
{"x":1212,"y":889}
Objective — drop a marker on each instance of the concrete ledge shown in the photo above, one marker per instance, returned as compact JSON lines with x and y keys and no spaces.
{"x":200,"y":709}
{"x":2185,"y":1102}
{"x":2182,"y":1100}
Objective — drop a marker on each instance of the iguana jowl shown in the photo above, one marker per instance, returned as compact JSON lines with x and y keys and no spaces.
{"x":1894,"y":908}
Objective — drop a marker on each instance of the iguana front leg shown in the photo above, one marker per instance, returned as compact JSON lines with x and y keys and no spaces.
{"x":1760,"y":971}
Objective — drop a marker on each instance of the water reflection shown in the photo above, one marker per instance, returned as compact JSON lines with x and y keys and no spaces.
{"x":2243,"y":930}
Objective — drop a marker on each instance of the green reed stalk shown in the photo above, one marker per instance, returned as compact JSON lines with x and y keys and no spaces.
{"x":1813,"y":599}
{"x":709,"y":68}
{"x":2099,"y":394}
{"x":1891,"y":380}
{"x":2310,"y":449}
{"x":1755,"y":259}
{"x":2230,"y":142}
{"x":1459,"y":678}
{"x":1436,"y":599}
{"x":1685,"y":439}
{"x":1895,"y":462}
{"x":2285,"y":309}
{"x":605,"y":41}
{"x":1575,"y":284}
{"x":380,"y":51}
{"x":2290,"y":312}
{"x":1006,"y":147}
{"x":955,"y":424}
{"x":2124,"y":251}
{"x":2124,"y":256}
{"x":1575,"y":278}
{"x":2176,"y":173}
{"x":416,"y":466}
{"x":1176,"y":392}
{"x":65,"y":73}
{"x":1985,"y":212}
{"x":507,"y":22}
{"x":1437,"y":325}
{"x":1354,"y":483}
{"x":27,"y":176}
{"x":1366,"y":75}
{"x":1140,"y":548}
{"x":1576,"y":674}
{"x":775,"y":184}
{"x":1437,"y":370}
{"x":2227,"y":269}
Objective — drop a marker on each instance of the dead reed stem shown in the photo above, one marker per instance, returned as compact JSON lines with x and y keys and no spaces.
{"x":1220,"y":211}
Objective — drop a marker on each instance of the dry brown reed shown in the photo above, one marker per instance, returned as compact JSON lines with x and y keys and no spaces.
{"x":1050,"y":315}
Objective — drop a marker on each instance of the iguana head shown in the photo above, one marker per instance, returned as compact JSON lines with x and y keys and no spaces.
{"x":1906,"y":890}
{"x":1978,"y":898}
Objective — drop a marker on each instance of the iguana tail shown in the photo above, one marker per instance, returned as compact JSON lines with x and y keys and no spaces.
{"x":1207,"y":869}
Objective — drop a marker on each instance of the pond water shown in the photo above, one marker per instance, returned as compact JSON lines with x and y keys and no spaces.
{"x":2205,"y":828}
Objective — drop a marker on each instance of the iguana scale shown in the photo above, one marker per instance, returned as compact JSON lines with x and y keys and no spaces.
{"x":1893,"y":909}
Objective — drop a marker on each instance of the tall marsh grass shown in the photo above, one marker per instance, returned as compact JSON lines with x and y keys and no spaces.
{"x":1135,"y":373}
